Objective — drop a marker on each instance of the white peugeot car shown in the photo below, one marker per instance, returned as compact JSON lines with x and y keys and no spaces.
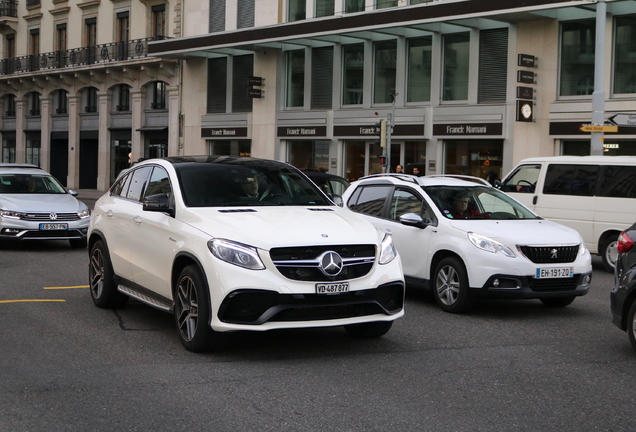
{"x":240,"y":244}
{"x":35,"y":206}
{"x":466,"y":240}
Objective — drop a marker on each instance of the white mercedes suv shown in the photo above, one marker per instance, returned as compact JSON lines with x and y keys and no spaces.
{"x":231,"y":244}
{"x":465,"y":240}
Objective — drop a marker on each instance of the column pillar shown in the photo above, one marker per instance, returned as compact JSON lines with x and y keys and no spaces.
{"x":72,"y":179}
{"x":173,"y":120}
{"x":45,"y":133}
{"x":104,"y":147}
{"x":20,"y":123}
{"x":137,"y":101}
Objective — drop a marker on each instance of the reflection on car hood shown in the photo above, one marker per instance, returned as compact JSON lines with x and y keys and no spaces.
{"x":521,"y":232}
{"x":267,"y":227}
{"x":63,"y":203}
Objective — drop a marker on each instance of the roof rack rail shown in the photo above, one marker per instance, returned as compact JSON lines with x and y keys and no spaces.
{"x":405,"y":177}
{"x":463,"y":177}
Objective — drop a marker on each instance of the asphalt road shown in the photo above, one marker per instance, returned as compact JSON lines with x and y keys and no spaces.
{"x":66,"y":365}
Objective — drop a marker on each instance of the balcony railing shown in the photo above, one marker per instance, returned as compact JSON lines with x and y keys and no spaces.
{"x":9,"y":9}
{"x":85,"y":56}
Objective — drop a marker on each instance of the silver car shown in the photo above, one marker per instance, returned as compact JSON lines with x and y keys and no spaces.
{"x":35,"y":206}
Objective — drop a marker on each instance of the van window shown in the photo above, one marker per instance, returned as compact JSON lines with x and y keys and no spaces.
{"x":524,"y":179}
{"x":567,"y":179}
{"x":617,"y":181}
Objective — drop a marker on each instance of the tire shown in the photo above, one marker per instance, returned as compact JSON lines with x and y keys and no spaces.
{"x":78,"y":243}
{"x":450,"y":286}
{"x":369,"y":330}
{"x":609,"y":252}
{"x":631,"y":325}
{"x":558,"y":301}
{"x":192,"y":312}
{"x":102,"y":283}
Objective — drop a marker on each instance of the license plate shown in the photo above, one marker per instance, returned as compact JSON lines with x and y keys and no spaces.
{"x":53,"y":226}
{"x":332,"y":288}
{"x":549,"y":273}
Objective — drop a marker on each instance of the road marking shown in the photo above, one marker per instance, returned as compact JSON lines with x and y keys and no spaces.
{"x":67,"y":287}
{"x":31,"y":300}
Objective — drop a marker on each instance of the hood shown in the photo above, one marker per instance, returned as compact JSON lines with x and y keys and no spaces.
{"x":267,"y":227}
{"x":521,"y":231}
{"x":61,"y":203}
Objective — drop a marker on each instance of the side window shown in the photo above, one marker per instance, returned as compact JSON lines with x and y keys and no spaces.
{"x":159,"y":183}
{"x":524,"y":179}
{"x":405,"y":201}
{"x":565,"y":179}
{"x":138,"y":183}
{"x":617,"y":181}
{"x":371,"y":200}
{"x":120,"y":188}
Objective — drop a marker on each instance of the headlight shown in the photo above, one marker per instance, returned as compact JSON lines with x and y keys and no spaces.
{"x":83,"y":214}
{"x":236,"y":253}
{"x":387,"y":250}
{"x":490,"y":245}
{"x":582,"y":248}
{"x":10,"y":214}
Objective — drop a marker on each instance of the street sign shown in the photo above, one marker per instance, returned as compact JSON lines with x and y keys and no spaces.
{"x":598,"y":128}
{"x":623,"y":119}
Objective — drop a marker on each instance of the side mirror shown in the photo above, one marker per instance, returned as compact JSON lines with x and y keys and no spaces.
{"x":337,"y":199}
{"x":413,"y":219}
{"x":497,"y":184}
{"x":73,"y":192}
{"x":158,"y":203}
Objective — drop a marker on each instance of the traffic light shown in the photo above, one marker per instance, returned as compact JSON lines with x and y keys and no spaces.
{"x":383,"y":161}
{"x":380,"y":128}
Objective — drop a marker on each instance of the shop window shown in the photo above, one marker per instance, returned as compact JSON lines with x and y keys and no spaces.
{"x":324,"y":8}
{"x":8,"y":151}
{"x":478,"y":158}
{"x":385,"y":71}
{"x":309,"y":154}
{"x":418,"y":87}
{"x":230,"y":148}
{"x":296,"y":10}
{"x":353,"y":59}
{"x":33,"y":147}
{"x":456,"y":66}
{"x":625,"y":55}
{"x":361,"y":158}
{"x":295,"y":78}
{"x":577,"y":58}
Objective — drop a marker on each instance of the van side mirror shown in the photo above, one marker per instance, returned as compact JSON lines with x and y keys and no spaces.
{"x":158,"y":203}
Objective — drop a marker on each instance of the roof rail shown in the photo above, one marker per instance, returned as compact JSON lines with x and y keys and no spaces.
{"x":463,"y":177}
{"x":405,"y":177}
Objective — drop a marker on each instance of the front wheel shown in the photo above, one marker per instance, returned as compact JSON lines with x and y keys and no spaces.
{"x":450,"y":286}
{"x":631,"y":325}
{"x":558,"y":301}
{"x":609,"y":253}
{"x":192,"y":312}
{"x":103,"y":288}
{"x":369,"y":330}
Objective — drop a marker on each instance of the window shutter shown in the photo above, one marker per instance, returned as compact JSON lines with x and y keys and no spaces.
{"x":493,"y":65}
{"x":245,"y":13}
{"x":217,"y":83}
{"x":243,"y":67}
{"x":322,"y":78}
{"x":217,"y":15}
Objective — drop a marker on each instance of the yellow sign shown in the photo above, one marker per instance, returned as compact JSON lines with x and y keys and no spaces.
{"x":594,"y":128}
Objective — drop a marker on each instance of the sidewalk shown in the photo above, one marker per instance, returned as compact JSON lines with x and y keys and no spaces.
{"x":89,"y":194}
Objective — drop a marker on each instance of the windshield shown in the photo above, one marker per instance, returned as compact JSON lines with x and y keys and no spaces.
{"x":16,"y":183}
{"x":245,"y":184}
{"x":479,"y":202}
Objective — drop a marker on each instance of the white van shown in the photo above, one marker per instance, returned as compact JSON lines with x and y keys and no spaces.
{"x":596,"y":195}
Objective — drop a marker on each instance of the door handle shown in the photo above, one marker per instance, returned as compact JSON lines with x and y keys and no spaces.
{"x":109,"y":213}
{"x":137,"y":219}
{"x":534,"y":200}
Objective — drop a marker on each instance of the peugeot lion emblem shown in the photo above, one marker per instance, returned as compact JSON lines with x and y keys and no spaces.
{"x":553,"y":253}
{"x":330,"y":264}
{"x":53,"y":216}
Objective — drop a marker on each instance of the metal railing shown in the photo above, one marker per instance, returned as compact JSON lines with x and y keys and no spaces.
{"x":84,"y":56}
{"x":9,"y":9}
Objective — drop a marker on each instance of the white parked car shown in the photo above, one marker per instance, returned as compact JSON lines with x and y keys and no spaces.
{"x":466,"y":240}
{"x":35,"y":206}
{"x":233,"y":244}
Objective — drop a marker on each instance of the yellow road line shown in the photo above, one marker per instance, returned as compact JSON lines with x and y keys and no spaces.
{"x":67,"y":287}
{"x":31,"y":300}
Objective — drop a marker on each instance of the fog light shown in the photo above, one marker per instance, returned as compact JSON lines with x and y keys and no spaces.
{"x":587,"y":279}
{"x":495,"y":283}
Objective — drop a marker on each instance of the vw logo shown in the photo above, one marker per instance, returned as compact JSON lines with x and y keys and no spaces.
{"x":330,"y":264}
{"x":553,"y":254}
{"x":53,"y":216}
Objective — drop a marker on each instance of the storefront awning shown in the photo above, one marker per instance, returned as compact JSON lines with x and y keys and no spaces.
{"x":152,"y":128}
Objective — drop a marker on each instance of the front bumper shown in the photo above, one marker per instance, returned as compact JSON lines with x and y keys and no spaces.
{"x":504,"y":286}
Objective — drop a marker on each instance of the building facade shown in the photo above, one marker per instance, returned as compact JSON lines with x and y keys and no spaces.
{"x":467,"y":86}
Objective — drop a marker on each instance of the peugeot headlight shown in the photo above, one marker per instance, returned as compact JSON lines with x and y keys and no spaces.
{"x":236,"y":253}
{"x":387,"y":250}
{"x":83,"y":214}
{"x":490,"y":245}
{"x":10,"y":214}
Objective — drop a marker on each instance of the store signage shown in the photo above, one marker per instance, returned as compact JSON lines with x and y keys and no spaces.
{"x":414,"y":130}
{"x":223,"y":132}
{"x":468,"y":129}
{"x":254,"y":93}
{"x":525,"y":77}
{"x":623,"y":119}
{"x":302,"y":131}
{"x":526,"y":60}
{"x":255,"y":81}
{"x":526,"y":93}
{"x":598,"y":128}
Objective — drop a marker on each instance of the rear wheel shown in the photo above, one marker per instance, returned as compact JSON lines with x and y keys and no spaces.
{"x":558,"y":302}
{"x":631,"y":325}
{"x":369,"y":330}
{"x":102,"y":284}
{"x":192,"y":312}
{"x":450,"y":286}
{"x":609,"y":253}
